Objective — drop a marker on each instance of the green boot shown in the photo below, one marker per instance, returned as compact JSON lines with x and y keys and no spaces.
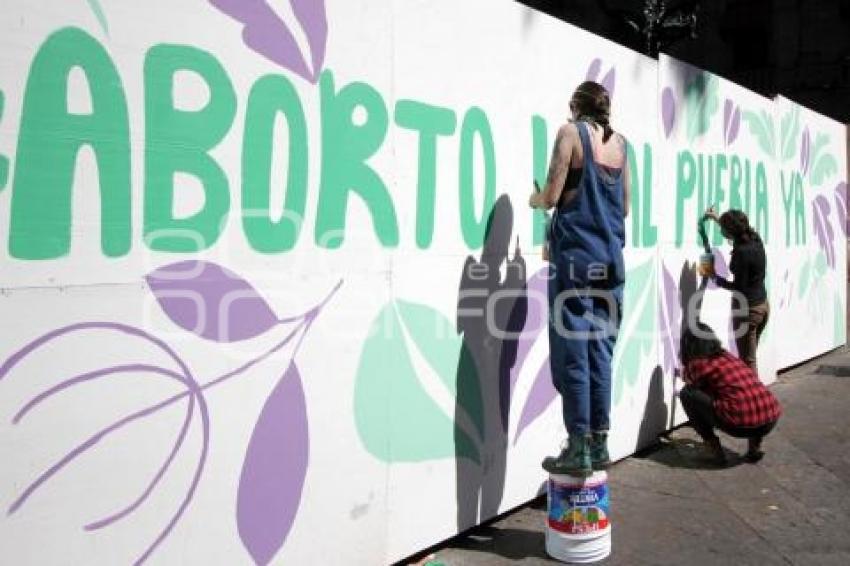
{"x":599,"y":458}
{"x":574,"y":460}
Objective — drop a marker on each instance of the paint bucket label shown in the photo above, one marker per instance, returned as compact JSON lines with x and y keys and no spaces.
{"x":578,"y":509}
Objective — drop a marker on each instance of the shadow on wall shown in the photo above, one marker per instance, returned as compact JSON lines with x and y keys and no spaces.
{"x":492,"y":302}
{"x":688,"y":288}
{"x":690,"y":309}
{"x":654,"y":419}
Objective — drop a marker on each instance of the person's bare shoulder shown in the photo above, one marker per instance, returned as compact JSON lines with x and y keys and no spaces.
{"x":622,"y":141}
{"x":568,"y":131}
{"x":568,"y":139}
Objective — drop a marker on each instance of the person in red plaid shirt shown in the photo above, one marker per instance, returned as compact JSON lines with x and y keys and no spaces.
{"x":723,"y":392}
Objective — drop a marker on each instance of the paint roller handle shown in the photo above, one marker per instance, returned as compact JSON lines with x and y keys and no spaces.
{"x":703,"y":235}
{"x":710,"y":214}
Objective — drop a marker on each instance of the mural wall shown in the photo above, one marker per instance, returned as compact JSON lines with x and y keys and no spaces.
{"x":253,"y":255}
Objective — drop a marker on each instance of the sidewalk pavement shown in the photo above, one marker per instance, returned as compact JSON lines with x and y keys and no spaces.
{"x":667,"y":507}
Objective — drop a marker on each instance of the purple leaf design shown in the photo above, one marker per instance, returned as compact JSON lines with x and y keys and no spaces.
{"x":211,"y":301}
{"x":731,"y":121}
{"x":805,"y":151}
{"x":267,"y":34}
{"x":735,"y":127}
{"x":536,"y":320}
{"x":539,"y":398}
{"x":841,"y":206}
{"x":670,"y":317}
{"x":285,"y":406}
{"x":720,"y":267}
{"x":668,"y":110}
{"x":193,"y":391}
{"x":823,"y":228}
{"x":313,"y":18}
{"x":274,"y":470}
{"x":609,"y":81}
{"x":593,"y":70}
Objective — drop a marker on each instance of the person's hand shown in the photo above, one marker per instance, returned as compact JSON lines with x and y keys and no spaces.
{"x":712,"y":213}
{"x":705,"y":267}
{"x":705,"y":270}
{"x":534,"y":200}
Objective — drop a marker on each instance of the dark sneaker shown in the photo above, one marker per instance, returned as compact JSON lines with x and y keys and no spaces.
{"x":754,"y":452}
{"x":713,"y":452}
{"x":599,"y":458}
{"x":574,"y":460}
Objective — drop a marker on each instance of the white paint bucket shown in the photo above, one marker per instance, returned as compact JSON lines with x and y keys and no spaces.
{"x":578,"y":528}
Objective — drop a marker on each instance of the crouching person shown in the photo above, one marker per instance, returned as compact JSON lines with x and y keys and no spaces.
{"x":723,"y":392}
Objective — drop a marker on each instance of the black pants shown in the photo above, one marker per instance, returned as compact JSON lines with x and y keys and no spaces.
{"x":700,"y":410}
{"x":748,"y":342}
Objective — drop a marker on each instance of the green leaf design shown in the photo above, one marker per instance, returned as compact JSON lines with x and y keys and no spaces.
{"x":821,"y":264}
{"x":790,"y":131}
{"x":805,"y":279}
{"x":840,"y":326}
{"x":819,"y":145}
{"x":438,"y":343}
{"x":98,"y":13}
{"x":771,"y":130}
{"x":638,"y":328}
{"x":396,"y":418}
{"x":762,"y":129}
{"x":702,"y":103}
{"x":825,"y":167}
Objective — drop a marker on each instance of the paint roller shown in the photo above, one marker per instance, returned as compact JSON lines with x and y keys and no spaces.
{"x":706,"y":260}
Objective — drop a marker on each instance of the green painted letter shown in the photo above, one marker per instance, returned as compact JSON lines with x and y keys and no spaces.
{"x":179,"y":141}
{"x":762,"y":217}
{"x":649,"y":230}
{"x":735,"y":183}
{"x":50,"y":139}
{"x":644,"y":232}
{"x":472,"y":225}
{"x":787,"y":197}
{"x":686,"y":180}
{"x":271,"y":95}
{"x":720,"y":166}
{"x":346,"y":146}
{"x":540,"y":149}
{"x":430,"y":122}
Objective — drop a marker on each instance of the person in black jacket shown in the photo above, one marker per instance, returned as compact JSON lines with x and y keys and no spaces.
{"x":748,"y":266}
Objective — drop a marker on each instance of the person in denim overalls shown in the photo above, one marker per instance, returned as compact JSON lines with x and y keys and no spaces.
{"x":588,"y":184}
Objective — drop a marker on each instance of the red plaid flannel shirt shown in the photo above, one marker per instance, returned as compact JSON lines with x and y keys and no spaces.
{"x":740,"y":398}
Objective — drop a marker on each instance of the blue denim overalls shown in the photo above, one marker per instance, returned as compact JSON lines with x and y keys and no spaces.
{"x":587,"y":275}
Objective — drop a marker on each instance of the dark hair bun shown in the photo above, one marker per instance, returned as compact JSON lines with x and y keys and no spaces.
{"x":592,"y":103}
